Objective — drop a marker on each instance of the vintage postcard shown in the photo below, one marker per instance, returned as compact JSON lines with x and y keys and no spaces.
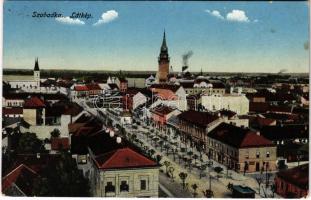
{"x":176,"y":99}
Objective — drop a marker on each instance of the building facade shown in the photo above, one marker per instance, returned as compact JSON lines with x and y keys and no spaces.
{"x":164,"y":62}
{"x":240,"y":149}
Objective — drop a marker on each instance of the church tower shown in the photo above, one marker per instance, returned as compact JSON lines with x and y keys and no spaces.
{"x":164,"y":62}
{"x":36,"y":73}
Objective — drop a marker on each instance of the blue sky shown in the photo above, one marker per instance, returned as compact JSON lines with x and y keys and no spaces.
{"x":224,"y":36}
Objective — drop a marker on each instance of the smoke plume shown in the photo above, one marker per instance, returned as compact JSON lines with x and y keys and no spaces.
{"x":186,"y":57}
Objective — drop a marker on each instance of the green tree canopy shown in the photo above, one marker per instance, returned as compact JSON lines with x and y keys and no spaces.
{"x":29,"y":143}
{"x":61,"y":179}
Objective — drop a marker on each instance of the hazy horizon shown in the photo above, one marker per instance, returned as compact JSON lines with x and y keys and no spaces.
{"x":251,"y":37}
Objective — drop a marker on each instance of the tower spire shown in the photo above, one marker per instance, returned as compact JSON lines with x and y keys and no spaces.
{"x":36,"y":65}
{"x":164,"y":46}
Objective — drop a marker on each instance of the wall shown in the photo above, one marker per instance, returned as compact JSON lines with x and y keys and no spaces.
{"x":133,"y":177}
{"x":236,"y":103}
{"x":252,"y":160}
{"x":30,"y":116}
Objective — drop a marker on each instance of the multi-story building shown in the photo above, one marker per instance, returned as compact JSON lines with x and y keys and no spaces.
{"x":161,"y":113}
{"x":234,"y":102}
{"x":240,"y":149}
{"x":194,"y":126}
{"x":118,"y":169}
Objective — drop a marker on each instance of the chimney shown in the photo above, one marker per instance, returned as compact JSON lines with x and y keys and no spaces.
{"x":119,"y":140}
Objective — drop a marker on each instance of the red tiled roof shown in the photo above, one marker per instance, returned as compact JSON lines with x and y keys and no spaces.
{"x":59,"y":143}
{"x":298,"y":176}
{"x":21,"y":172}
{"x":173,"y":88}
{"x":238,"y":137}
{"x":81,"y":88}
{"x":123,"y":158}
{"x":9,"y":111}
{"x":93,"y":87}
{"x":162,"y":110}
{"x":34,"y":102}
{"x":265,"y":121}
{"x":198,"y":118}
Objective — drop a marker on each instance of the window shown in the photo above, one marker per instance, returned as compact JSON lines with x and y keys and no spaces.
{"x":124,"y":187}
{"x":143,"y":184}
{"x":257,"y":154}
{"x":109,"y":187}
{"x":268,"y":154}
{"x":246,"y":155}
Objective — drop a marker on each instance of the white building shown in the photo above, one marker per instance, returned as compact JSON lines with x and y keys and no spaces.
{"x":29,"y":85}
{"x":234,"y":102}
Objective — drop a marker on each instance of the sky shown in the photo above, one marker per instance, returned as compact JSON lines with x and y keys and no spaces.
{"x":224,"y":36}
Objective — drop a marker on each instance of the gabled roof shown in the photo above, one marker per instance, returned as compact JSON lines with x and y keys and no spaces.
{"x":285,"y":132}
{"x":123,"y":158}
{"x":113,"y":86}
{"x":201,"y":119}
{"x":173,"y":88}
{"x":81,"y":88}
{"x":298,"y":176}
{"x":93,"y":87}
{"x":10,"y":111}
{"x":22,"y":176}
{"x":238,"y":137}
{"x":162,"y":110}
{"x":34,"y":102}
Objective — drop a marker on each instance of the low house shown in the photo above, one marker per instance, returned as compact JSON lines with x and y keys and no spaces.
{"x":80,"y":91}
{"x":293,"y":183}
{"x":94,"y":89}
{"x":34,"y":111}
{"x":16,"y":112}
{"x":241,"y":149}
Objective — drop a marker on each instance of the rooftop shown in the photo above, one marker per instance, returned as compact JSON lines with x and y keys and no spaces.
{"x":238,"y":137}
{"x":201,"y":119}
{"x":298,"y":176}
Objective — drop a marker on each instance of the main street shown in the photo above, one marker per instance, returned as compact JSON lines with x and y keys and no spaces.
{"x":173,"y":186}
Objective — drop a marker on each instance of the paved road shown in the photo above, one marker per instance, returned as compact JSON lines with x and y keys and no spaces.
{"x":172,"y":189}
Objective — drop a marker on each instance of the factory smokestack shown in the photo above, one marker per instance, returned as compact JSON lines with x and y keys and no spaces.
{"x":185,"y":59}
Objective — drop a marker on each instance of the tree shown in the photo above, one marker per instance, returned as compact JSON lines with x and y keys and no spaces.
{"x":183,"y":177}
{"x":174,"y":151}
{"x":259,"y":180}
{"x":161,"y":143}
{"x":245,"y":167}
{"x":158,"y":157}
{"x":218,"y":170}
{"x":55,"y":133}
{"x":202,"y":168}
{"x":208,"y":193}
{"x":195,"y":157}
{"x":61,"y":178}
{"x":29,"y":143}
{"x":171,"y":172}
{"x":194,"y":187}
{"x":166,"y":164}
{"x":167,"y":148}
